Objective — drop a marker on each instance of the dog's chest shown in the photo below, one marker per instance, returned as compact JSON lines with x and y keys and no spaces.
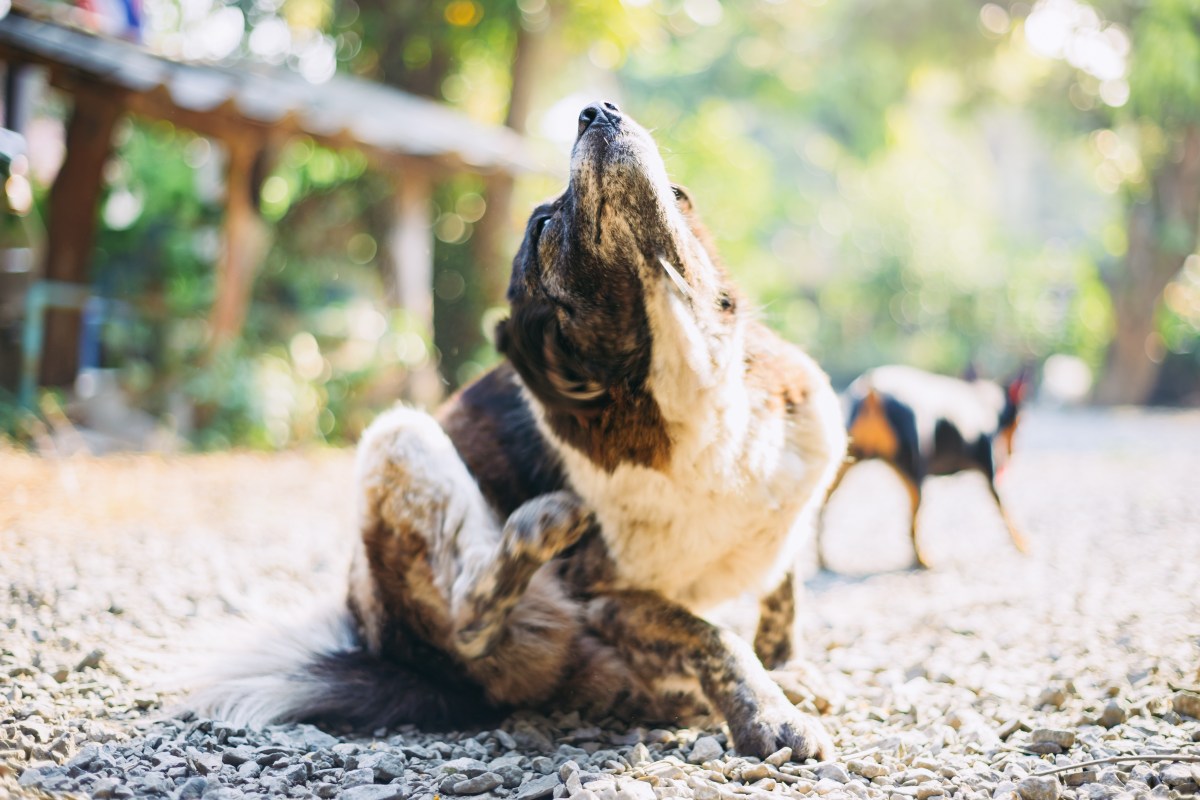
{"x":716,"y":522}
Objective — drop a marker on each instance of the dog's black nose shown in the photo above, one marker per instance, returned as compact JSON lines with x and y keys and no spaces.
{"x":605,"y":113}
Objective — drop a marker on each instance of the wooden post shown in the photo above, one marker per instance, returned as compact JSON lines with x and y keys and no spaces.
{"x":72,"y":221}
{"x":411,"y":248}
{"x":410,"y":257}
{"x":245,"y":244}
{"x":18,"y":94}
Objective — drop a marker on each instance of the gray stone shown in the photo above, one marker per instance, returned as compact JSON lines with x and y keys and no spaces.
{"x":295,"y":774}
{"x":1063,"y":738}
{"x":467,"y":767}
{"x":386,"y":766}
{"x":236,"y":756}
{"x":192,"y":789}
{"x":154,"y":783}
{"x":706,"y":748}
{"x":1039,"y":788}
{"x":387,"y":791}
{"x":479,"y":784}
{"x":833,"y":772}
{"x":1187,"y":704}
{"x":1113,"y":715}
{"x":42,"y":776}
{"x":1176,"y":774}
{"x":538,"y":788}
{"x":1087,"y":775}
{"x":218,"y":792}
{"x":568,"y":769}
{"x":511,"y":774}
{"x":356,"y":777}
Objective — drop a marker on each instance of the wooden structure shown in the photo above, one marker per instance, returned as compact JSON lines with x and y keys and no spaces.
{"x":251,"y":109}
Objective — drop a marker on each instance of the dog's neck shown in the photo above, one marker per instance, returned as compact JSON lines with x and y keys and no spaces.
{"x":690,"y":396}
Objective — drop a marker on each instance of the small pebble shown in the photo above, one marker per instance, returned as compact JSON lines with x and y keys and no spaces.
{"x":706,"y":748}
{"x":1039,"y":788}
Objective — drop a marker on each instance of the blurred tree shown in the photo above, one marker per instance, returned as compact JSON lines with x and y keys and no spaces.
{"x":436,"y":50}
{"x":1133,"y":80}
{"x":1162,"y":115}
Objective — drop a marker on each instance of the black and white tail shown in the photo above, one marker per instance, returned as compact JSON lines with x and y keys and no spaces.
{"x":317,"y":670}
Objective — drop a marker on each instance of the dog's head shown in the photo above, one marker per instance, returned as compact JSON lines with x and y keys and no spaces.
{"x":593,"y":263}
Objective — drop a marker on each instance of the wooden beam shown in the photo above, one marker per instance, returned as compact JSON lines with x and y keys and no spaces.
{"x":72,"y":221}
{"x":245,"y":245}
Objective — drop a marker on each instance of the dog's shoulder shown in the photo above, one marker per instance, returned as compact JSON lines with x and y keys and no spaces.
{"x":495,"y":432}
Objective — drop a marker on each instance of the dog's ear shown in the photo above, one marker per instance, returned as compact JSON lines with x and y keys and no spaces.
{"x":533,"y":341}
{"x":1018,"y":388}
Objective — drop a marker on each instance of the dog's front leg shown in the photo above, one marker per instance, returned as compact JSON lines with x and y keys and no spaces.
{"x":656,"y":636}
{"x":488,"y":590}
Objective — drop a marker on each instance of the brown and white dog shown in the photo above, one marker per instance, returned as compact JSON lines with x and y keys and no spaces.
{"x":549,"y":540}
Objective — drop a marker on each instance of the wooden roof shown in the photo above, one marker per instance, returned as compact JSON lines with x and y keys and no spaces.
{"x":226,"y":100}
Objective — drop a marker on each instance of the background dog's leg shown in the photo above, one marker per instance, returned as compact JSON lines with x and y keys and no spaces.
{"x":843,"y":468}
{"x":776,"y":616}
{"x":656,"y":636}
{"x":1018,"y":539}
{"x":914,"y":496}
{"x":536,"y":532}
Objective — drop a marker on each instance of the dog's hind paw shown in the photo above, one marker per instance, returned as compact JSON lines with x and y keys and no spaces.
{"x":782,"y":726}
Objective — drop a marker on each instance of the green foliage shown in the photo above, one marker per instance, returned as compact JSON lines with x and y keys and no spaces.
{"x":1165,"y":72}
{"x":320,"y":353}
{"x":897,"y":182}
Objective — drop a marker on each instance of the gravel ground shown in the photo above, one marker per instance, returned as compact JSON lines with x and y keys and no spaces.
{"x":963,"y":681}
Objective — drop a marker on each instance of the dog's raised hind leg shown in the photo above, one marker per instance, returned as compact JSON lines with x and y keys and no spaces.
{"x":487,"y":591}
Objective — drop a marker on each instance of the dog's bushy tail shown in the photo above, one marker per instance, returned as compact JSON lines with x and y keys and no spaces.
{"x":316,"y":670}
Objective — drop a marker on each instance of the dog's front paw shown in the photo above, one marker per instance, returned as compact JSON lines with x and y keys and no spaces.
{"x":778,"y":726}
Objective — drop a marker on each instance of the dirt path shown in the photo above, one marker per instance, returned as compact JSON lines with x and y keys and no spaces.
{"x":943,"y":682}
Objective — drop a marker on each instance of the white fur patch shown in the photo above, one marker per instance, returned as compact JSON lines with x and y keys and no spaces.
{"x":736,"y":501}
{"x":252,"y":674}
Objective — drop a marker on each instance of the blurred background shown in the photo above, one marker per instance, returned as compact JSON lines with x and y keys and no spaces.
{"x":257,"y":223}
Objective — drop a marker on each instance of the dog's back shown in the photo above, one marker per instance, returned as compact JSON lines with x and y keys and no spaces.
{"x":927,"y":424}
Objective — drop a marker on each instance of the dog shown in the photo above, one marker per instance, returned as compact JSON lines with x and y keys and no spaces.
{"x":550,"y":538}
{"x":924,"y":424}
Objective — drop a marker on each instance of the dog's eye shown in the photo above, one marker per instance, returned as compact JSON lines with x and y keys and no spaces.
{"x":539,"y":226}
{"x":679,"y":195}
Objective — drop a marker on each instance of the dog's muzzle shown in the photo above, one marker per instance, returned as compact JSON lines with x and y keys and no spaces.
{"x":599,"y":115}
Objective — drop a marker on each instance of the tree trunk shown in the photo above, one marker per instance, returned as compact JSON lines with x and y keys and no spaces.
{"x":490,"y":242}
{"x":1162,"y":233}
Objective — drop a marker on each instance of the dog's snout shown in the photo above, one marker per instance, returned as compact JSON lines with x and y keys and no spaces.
{"x":606,"y":113}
